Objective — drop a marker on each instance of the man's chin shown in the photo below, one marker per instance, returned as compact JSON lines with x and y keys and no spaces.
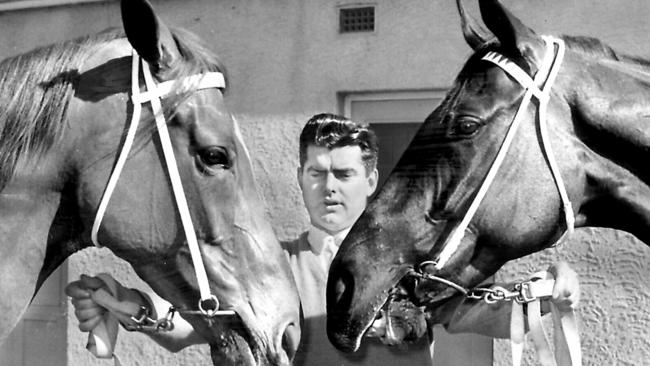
{"x":331,"y":224}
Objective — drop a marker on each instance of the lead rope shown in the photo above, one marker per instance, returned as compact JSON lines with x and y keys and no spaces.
{"x":103,"y":338}
{"x":566,"y":337}
{"x":545,"y":78}
{"x":530,"y":293}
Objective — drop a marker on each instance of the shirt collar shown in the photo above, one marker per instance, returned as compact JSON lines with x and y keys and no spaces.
{"x":318,"y":238}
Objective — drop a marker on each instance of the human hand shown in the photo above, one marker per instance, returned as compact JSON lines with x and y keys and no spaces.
{"x":566,"y":291}
{"x":87,"y":311}
{"x":92,"y":297}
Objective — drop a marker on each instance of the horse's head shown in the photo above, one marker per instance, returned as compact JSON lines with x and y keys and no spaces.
{"x":144,"y":221}
{"x":412,"y":225}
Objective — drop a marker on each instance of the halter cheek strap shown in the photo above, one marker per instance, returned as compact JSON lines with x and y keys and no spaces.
{"x":208,"y":305}
{"x":543,"y":96}
{"x":539,"y":87}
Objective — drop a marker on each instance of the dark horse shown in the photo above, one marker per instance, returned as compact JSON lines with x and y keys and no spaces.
{"x":63,"y":116}
{"x":597,"y":117}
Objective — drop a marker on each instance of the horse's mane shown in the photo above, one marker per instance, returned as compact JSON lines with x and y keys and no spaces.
{"x":36,"y":89}
{"x":590,"y":46}
{"x":596,"y":48}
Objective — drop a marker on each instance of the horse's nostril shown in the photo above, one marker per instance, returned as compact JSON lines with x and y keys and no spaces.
{"x":339,"y":290}
{"x":343,"y":289}
{"x":291,"y":340}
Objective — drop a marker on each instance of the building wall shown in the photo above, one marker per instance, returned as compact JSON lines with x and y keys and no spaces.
{"x":287,"y":61}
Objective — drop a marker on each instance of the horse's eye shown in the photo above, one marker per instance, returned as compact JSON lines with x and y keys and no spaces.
{"x":215,"y":156}
{"x":467,"y":127}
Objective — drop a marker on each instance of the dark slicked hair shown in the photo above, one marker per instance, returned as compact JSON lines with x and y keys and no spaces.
{"x":332,"y":131}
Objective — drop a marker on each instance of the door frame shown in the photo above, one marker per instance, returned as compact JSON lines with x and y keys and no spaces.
{"x":454,"y":349}
{"x":348,"y":98}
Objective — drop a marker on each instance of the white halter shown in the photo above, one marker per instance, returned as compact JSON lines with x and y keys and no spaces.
{"x":540,"y":87}
{"x":153,"y":95}
{"x":566,"y":337}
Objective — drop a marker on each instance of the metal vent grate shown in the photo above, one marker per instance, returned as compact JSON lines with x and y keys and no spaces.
{"x":357,"y":19}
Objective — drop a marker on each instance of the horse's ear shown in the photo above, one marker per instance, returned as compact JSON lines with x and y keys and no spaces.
{"x":511,"y":32}
{"x":148,"y":35}
{"x":474,"y":34}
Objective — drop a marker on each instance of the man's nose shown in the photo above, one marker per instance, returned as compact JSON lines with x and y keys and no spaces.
{"x":331,"y":183}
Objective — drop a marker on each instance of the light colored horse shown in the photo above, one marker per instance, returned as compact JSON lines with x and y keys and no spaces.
{"x":64,"y":112}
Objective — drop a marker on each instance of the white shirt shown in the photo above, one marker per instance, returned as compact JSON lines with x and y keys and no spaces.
{"x":324,"y":245}
{"x":310,"y":256}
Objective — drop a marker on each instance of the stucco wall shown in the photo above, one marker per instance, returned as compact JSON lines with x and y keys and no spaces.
{"x":287,"y":61}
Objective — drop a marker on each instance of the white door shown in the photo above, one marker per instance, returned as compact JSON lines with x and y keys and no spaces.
{"x":395,"y":117}
{"x":40,"y":339}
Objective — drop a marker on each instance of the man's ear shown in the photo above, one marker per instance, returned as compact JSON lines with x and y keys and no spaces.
{"x":299,"y":176}
{"x":373,"y":177}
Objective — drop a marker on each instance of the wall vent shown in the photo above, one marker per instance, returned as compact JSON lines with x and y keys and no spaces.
{"x":361,"y":19}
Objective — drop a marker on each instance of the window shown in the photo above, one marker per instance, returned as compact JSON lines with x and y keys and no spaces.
{"x":360,"y":19}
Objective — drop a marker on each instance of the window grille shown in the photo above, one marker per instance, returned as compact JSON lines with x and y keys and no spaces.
{"x":357,"y":19}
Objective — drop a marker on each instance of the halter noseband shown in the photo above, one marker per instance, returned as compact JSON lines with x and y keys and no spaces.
{"x":208,"y":304}
{"x":539,"y":87}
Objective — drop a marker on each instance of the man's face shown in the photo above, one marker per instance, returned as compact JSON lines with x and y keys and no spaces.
{"x":335,"y":186}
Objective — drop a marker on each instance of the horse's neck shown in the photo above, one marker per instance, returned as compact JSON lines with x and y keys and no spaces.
{"x":25,"y":216}
{"x":612,"y":105}
{"x":612,"y":122}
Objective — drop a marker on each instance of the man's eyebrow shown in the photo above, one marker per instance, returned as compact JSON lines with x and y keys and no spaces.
{"x":343,"y":170}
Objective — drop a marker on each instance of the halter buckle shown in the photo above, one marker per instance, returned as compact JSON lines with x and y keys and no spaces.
{"x":525,"y":294}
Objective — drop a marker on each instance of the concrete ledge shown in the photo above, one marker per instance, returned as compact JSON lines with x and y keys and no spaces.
{"x":29,"y":4}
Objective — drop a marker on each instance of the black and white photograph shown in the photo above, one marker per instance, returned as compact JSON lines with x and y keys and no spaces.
{"x":324,"y":183}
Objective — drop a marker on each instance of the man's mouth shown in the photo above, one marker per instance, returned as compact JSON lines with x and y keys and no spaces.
{"x":332,"y":203}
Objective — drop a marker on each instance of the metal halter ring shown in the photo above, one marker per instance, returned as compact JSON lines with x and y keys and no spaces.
{"x":422,"y":274}
{"x":215,"y":307}
{"x":426,"y":263}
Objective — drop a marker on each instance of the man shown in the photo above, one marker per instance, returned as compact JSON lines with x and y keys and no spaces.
{"x":337,"y":175}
